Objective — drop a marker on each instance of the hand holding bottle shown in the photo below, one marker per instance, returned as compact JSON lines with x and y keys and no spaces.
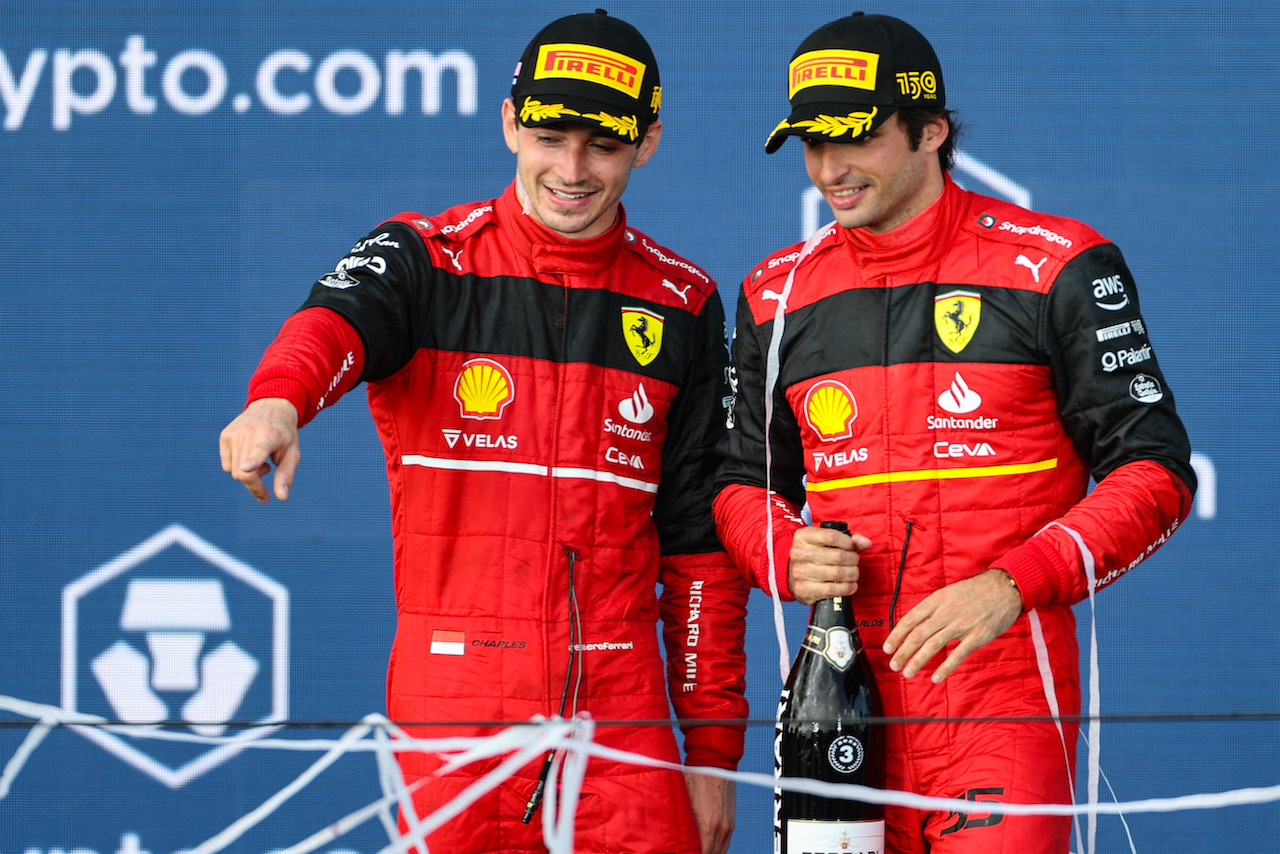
{"x":824,"y":563}
{"x":824,"y":731}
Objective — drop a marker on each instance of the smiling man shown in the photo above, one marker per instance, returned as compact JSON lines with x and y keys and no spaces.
{"x":944,"y":372}
{"x":549,"y":387}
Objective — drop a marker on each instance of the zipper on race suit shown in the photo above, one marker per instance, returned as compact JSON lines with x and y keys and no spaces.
{"x":575,"y":663}
{"x":902,"y":567}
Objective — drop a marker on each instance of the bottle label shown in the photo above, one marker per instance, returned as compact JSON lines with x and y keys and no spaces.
{"x":834,"y":837}
{"x":835,"y":645}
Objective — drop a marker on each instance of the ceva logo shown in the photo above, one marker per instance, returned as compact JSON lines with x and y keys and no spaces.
{"x":176,"y":630}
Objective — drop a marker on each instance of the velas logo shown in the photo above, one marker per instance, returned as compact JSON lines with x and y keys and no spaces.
{"x":830,"y":409}
{"x":592,"y":64}
{"x":854,"y":69}
{"x":642,"y":330}
{"x":483,"y":389}
{"x":956,"y":315}
{"x":176,"y":630}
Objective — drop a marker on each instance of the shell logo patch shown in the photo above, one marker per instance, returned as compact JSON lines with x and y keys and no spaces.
{"x":642,"y":330}
{"x":955,"y":316}
{"x":483,"y":389}
{"x":830,"y":409}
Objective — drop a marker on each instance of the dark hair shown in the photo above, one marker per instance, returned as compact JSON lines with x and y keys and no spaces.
{"x":914,"y":119}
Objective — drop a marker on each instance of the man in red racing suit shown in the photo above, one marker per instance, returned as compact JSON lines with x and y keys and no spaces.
{"x":951,"y":370}
{"x":549,"y":400}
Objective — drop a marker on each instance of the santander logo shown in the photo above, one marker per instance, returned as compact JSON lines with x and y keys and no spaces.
{"x":959,"y":398}
{"x":637,"y":409}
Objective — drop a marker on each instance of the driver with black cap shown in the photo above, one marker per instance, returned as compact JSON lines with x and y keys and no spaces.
{"x":549,"y":386}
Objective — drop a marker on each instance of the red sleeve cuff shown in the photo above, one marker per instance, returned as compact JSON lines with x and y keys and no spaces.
{"x":292,"y":390}
{"x":781,"y":564}
{"x":315,"y":359}
{"x":715,"y":746}
{"x":1037,"y":568}
{"x":742,"y":513}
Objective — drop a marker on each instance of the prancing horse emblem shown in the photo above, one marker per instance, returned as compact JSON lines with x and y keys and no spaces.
{"x":642,"y":330}
{"x":955,"y":316}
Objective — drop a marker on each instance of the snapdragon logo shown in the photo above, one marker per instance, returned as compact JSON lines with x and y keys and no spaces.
{"x":195,"y":82}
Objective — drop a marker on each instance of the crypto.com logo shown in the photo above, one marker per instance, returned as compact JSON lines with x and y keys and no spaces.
{"x":175,"y":630}
{"x":969,"y":173}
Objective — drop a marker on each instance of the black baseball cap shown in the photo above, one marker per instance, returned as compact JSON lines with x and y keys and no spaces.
{"x":850,"y":75}
{"x":592,"y":69}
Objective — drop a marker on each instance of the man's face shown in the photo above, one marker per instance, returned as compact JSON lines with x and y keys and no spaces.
{"x":878,"y":182}
{"x":572,"y":175}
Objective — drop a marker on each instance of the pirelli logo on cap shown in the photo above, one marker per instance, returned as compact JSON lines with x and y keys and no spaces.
{"x":855,"y":69}
{"x":592,"y":64}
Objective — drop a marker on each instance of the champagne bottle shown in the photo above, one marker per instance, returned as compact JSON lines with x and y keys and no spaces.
{"x":822,"y":734}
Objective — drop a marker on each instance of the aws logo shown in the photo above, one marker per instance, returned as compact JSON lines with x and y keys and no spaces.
{"x":483,"y":389}
{"x":830,"y":409}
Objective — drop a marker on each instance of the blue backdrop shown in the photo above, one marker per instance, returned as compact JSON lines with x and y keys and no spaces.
{"x":174,"y":176}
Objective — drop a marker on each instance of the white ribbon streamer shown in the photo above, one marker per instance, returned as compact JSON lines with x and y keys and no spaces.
{"x":572,"y":741}
{"x":771,"y":369}
{"x":1094,"y":739}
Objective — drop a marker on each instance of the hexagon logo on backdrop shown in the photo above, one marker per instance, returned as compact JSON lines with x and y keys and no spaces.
{"x":176,"y":630}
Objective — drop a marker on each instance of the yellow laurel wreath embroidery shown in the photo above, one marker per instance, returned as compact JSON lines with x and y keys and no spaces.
{"x":536,"y":111}
{"x":855,"y":123}
{"x":627,"y":126}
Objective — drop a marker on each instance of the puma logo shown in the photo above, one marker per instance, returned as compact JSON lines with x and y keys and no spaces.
{"x":1024,"y":261}
{"x":671,"y":286}
{"x":455,"y":256}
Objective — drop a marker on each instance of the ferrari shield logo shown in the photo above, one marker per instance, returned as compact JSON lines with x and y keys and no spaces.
{"x":955,"y":316}
{"x":642,"y":330}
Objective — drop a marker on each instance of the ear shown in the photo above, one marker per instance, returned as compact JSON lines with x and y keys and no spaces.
{"x":934,"y":134}
{"x":509,"y":125}
{"x":649,"y":144}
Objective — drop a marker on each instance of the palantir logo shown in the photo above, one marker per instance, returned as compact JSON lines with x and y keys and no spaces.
{"x":176,"y":630}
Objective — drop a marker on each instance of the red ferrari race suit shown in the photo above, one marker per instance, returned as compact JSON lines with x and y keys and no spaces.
{"x":549,"y":410}
{"x":948,"y":388}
